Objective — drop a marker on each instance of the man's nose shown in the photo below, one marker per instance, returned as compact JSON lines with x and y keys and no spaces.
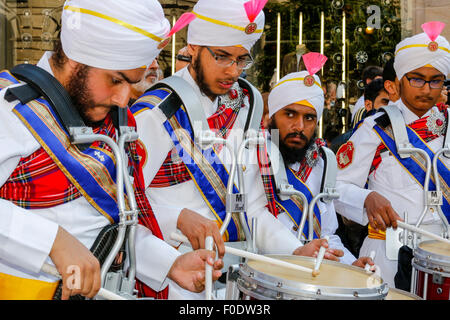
{"x":122,"y":96}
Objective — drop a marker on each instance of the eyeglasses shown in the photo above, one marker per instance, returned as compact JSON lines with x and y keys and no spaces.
{"x":225,"y":61}
{"x":183,"y":58}
{"x":419,"y":83}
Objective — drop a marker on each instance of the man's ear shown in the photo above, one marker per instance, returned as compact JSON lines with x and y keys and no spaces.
{"x":397,"y":86}
{"x":388,"y":86}
{"x":193,"y":50}
{"x":71,"y":65}
{"x":368,"y":105}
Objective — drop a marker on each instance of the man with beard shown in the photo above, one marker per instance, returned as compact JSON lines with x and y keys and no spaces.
{"x":189,"y":194}
{"x":55,"y":198}
{"x":295,"y":108}
{"x":149,"y":79}
{"x":378,"y":186}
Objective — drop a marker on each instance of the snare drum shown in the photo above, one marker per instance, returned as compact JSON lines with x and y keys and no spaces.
{"x":431,"y":270}
{"x":397,"y":294}
{"x":336,"y":281}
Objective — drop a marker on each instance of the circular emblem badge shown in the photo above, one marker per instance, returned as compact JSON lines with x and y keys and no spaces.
{"x":436,"y":123}
{"x":163,"y":43}
{"x":142,"y":152}
{"x":433,"y":46}
{"x":250,"y":28}
{"x":308,"y":81}
{"x":344,"y":155}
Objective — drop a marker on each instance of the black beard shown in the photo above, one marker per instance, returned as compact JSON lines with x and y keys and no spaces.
{"x":80,"y":95}
{"x":200,"y":77}
{"x":292,"y":155}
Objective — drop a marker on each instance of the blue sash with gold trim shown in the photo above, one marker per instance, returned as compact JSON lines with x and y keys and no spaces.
{"x":204,"y":166}
{"x":293,"y":206}
{"x":415,"y":164}
{"x":91,"y":171}
{"x":7,"y":79}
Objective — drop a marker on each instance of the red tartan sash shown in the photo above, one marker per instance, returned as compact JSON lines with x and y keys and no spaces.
{"x":420,"y":127}
{"x":305,"y":169}
{"x":38,"y":183}
{"x":172,"y":171}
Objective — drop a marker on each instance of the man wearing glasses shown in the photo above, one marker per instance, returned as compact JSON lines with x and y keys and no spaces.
{"x":395,"y":186}
{"x":183,"y":59}
{"x":219,"y":43}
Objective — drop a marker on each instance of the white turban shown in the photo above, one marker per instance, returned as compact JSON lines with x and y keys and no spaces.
{"x":113,"y":34}
{"x":223,"y":23}
{"x":413,"y":53}
{"x":292,"y":89}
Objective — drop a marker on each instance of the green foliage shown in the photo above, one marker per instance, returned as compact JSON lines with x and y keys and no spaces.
{"x":371,"y":46}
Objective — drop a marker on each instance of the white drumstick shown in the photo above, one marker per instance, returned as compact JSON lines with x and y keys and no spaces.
{"x":249,"y":255}
{"x":106,"y":294}
{"x":319,"y":259}
{"x":209,"y":243}
{"x":418,"y":230}
{"x":371,"y":256}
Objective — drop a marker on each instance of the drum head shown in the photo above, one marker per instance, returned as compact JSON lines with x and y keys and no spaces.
{"x":436,"y":247}
{"x":335,"y":281}
{"x":397,"y":294}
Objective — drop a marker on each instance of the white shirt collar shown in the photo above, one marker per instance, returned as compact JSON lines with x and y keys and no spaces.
{"x":408,"y":115}
{"x":44,"y":62}
{"x":295,"y":166}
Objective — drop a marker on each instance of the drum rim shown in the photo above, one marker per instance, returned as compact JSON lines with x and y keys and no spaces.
{"x":427,"y":259}
{"x":306,"y":290}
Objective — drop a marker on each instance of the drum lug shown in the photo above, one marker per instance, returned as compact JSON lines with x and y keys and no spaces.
{"x":437,"y":278}
{"x":232,"y":291}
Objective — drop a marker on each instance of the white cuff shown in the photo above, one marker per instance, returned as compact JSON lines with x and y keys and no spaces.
{"x":26,"y":239}
{"x":154,"y":258}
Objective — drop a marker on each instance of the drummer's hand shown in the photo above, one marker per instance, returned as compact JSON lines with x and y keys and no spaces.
{"x":79,"y":268}
{"x":196,"y":228}
{"x":188,"y":270}
{"x":361,"y":262}
{"x":331,"y":254}
{"x":380,"y":212}
{"x":311,"y":248}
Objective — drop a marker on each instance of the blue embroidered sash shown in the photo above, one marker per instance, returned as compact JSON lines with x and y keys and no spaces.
{"x":91,"y":171}
{"x":204,"y":166}
{"x":416,"y":166}
{"x":294,"y":208}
